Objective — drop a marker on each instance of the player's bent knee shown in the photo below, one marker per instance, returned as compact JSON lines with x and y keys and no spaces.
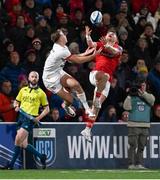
{"x":99,"y":76}
{"x":76,"y":86}
{"x":104,"y":80}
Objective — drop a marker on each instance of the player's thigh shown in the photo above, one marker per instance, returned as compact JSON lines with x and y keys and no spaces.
{"x":53,"y":83}
{"x":102,"y":76}
{"x":97,"y":76}
{"x":22,"y":134}
{"x":68,"y":81}
{"x":92,"y":77}
{"x":65,"y":95}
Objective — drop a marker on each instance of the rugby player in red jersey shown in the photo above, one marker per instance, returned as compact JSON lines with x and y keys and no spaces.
{"x":101,"y":75}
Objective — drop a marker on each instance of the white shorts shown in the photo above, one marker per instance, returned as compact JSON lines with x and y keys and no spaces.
{"x":92,"y":79}
{"x":52,"y":82}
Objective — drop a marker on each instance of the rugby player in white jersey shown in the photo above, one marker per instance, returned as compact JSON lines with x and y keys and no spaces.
{"x":57,"y":80}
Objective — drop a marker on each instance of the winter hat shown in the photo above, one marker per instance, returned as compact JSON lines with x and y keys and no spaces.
{"x":40,"y":17}
{"x":36,"y":40}
{"x":7,"y":42}
{"x":29,"y":26}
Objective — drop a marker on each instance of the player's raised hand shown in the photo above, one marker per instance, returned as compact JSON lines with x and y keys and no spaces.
{"x":89,"y":51}
{"x":97,"y":51}
{"x":110,"y":43}
{"x":106,"y":42}
{"x":103,"y":40}
{"x":88,"y":31}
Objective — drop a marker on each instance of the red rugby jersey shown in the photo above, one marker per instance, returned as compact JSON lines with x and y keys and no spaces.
{"x":106,"y":61}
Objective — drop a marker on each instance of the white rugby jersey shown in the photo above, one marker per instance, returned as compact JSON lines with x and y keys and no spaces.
{"x":56,"y":59}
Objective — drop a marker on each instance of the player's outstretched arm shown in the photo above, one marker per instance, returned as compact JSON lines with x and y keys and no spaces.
{"x":82,"y":59}
{"x":89,"y":40}
{"x":116,"y":51}
{"x":87,"y":52}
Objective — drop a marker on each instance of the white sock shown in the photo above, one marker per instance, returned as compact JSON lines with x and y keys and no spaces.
{"x":82,"y":98}
{"x":97,"y":99}
{"x":88,"y":129}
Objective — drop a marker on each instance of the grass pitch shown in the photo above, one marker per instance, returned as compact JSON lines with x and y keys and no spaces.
{"x":79,"y":174}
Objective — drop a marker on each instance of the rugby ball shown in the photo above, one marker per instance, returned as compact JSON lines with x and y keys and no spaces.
{"x":96,"y":17}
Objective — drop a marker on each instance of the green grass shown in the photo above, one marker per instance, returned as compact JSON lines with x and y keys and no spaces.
{"x":79,"y":174}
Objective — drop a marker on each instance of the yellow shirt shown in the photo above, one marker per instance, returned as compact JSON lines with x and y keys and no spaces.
{"x":31,"y":100}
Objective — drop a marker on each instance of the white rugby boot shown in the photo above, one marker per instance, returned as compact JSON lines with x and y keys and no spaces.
{"x":69,"y":110}
{"x":86,"y":134}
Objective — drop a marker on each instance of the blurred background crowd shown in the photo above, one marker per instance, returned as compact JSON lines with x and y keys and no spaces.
{"x":25,"y":29}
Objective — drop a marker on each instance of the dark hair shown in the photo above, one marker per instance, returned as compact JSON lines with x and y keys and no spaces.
{"x":140,"y":80}
{"x":109,"y":107}
{"x":4,"y":81}
{"x":54,"y":109}
{"x":7,"y":42}
{"x":148,"y":24}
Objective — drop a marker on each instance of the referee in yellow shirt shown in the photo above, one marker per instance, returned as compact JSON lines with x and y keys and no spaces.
{"x":29,"y":99}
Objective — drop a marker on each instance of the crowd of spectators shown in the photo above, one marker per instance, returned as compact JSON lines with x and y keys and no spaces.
{"x":25,"y":29}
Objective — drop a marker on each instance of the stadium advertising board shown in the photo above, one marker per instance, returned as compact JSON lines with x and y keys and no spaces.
{"x":66,"y":148}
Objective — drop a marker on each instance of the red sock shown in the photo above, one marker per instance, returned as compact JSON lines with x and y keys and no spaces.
{"x":89,"y":124}
{"x":88,"y":121}
{"x":98,"y":94}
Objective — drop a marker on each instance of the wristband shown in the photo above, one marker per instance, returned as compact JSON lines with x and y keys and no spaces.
{"x":88,"y":38}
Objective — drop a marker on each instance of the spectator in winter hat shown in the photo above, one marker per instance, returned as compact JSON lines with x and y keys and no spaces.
{"x":36,"y":40}
{"x":43,"y":30}
{"x":23,"y":81}
{"x":31,"y":63}
{"x":37,"y":44}
{"x":124,"y":117}
{"x":39,"y":18}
